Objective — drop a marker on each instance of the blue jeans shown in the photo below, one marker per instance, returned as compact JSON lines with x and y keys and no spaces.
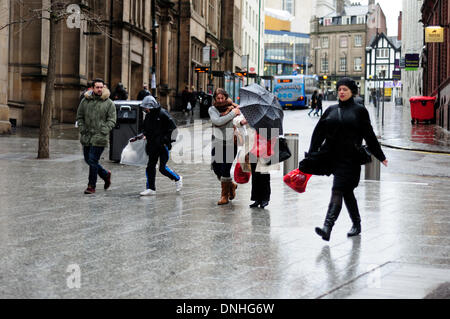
{"x":91,"y":157}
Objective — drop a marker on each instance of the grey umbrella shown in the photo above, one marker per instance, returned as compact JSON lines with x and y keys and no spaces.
{"x":261,"y":108}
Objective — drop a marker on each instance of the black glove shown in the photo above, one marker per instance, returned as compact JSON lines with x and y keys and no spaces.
{"x":167,"y":141}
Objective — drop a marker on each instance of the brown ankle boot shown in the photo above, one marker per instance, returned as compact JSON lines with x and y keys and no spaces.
{"x":233,"y":187}
{"x":225,"y":191}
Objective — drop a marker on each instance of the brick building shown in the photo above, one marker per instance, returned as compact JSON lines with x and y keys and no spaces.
{"x":437,"y":59}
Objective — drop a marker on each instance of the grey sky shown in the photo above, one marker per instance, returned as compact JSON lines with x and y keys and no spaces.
{"x":391,"y":9}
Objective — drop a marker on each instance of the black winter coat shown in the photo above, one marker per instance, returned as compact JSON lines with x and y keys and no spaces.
{"x":157,"y":128}
{"x":341,"y":137}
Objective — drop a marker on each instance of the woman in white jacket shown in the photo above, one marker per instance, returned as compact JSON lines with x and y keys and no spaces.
{"x":260,"y":171}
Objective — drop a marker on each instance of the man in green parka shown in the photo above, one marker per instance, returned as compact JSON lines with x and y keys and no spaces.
{"x":96,"y":117}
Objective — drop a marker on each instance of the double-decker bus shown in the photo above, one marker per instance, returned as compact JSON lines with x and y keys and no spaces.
{"x":294,"y":91}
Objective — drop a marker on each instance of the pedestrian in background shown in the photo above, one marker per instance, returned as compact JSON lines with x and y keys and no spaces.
{"x":96,"y":117}
{"x":120,"y":93}
{"x":88,"y":89}
{"x":341,"y":130}
{"x":186,"y":98}
{"x":319,"y":105}
{"x":374,"y":97}
{"x":224,"y":147}
{"x":143,"y":93}
{"x":313,"y":102}
{"x":193,"y":99}
{"x":158,"y":130}
{"x":261,"y":190}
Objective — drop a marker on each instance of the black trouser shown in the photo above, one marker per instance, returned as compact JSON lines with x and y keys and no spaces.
{"x":346,"y":179}
{"x":260,"y":185}
{"x":163,"y":155}
{"x":222,"y":160}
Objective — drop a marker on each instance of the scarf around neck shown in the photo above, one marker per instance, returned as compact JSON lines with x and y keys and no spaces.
{"x":222,"y":107}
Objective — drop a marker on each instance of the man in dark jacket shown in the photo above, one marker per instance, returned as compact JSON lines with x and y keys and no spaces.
{"x":120,"y":93}
{"x":186,"y":97}
{"x":158,"y":129}
{"x":96,"y":117}
{"x":143,"y":93}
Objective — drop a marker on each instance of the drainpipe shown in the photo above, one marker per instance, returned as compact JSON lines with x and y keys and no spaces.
{"x":178,"y":46}
{"x":111,"y":17}
{"x":259,"y":41}
{"x":154,"y":26}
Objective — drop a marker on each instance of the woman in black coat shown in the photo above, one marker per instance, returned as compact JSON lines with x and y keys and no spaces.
{"x":341,"y":130}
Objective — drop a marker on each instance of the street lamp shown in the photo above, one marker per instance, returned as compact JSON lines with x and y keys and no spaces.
{"x":293,"y":55}
{"x":345,"y":65}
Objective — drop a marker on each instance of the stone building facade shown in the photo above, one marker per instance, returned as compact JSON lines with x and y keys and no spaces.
{"x":133,"y":43}
{"x":339,"y":39}
{"x":119,"y":51}
{"x":5,"y":125}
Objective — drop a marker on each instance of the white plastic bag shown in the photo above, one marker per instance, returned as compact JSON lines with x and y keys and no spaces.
{"x":189,"y":106}
{"x":134,"y":154}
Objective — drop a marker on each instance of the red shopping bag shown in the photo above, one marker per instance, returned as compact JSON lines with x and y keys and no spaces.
{"x":263,"y":147}
{"x":297,"y":180}
{"x":240,"y":176}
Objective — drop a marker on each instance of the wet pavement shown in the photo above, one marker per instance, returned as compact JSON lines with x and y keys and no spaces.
{"x":397,"y":131}
{"x":58,"y":243}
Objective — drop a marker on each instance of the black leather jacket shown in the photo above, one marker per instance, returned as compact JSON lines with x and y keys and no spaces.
{"x":343,"y":136}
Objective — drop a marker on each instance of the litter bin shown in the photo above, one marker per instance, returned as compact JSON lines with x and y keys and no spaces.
{"x":292,"y":162}
{"x":372,"y":170}
{"x":204,"y":105}
{"x":422,"y":108}
{"x":129,"y":119}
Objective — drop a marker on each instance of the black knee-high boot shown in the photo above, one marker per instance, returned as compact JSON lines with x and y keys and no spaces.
{"x":353,"y":211}
{"x":334,"y":208}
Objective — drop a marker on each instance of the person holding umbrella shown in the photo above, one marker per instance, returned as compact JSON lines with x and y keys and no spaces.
{"x":340,"y":132}
{"x":260,"y":194}
{"x":261,"y":119}
{"x":224,"y":148}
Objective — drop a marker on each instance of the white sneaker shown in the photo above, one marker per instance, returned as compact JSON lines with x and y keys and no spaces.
{"x":179,"y":184}
{"x":148,"y":192}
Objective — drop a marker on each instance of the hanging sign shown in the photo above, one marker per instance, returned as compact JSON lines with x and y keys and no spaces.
{"x":206,"y":54}
{"x":412,"y":62}
{"x":434,"y":34}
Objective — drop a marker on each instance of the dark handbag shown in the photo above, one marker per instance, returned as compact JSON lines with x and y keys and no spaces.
{"x":317,"y":163}
{"x":364,"y":155}
{"x":283,"y":153}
